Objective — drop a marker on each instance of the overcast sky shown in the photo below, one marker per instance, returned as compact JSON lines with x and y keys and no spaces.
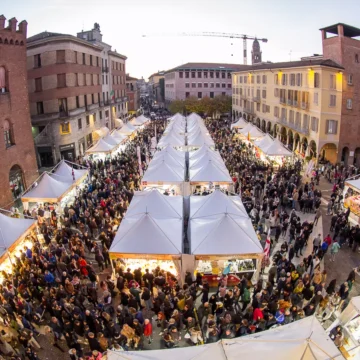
{"x":290,"y":26}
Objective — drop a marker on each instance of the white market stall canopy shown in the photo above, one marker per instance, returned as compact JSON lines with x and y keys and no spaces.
{"x":100,"y":147}
{"x":165,"y":173}
{"x":199,"y":152}
{"x":112,"y":140}
{"x":119,"y":137}
{"x":264,"y":142}
{"x":139,"y":121}
{"x":177,"y":117}
{"x":240,"y":124}
{"x":252,"y":132}
{"x":167,"y":157}
{"x":199,"y":139}
{"x":202,"y":160}
{"x":177,"y":154}
{"x":127,"y":129}
{"x":103,"y":131}
{"x":47,"y":189}
{"x":69,"y":173}
{"x":118,"y":123}
{"x":277,"y":148}
{"x":211,"y":171}
{"x":301,"y":340}
{"x":355,"y":184}
{"x":11,"y":230}
{"x":172,"y":139}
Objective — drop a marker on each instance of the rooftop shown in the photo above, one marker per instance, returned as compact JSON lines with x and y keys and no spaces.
{"x":293,"y":64}
{"x":349,"y":31}
{"x":44,"y":35}
{"x":130,"y":78}
{"x":159,"y":73}
{"x":209,"y":66}
{"x":115,"y":53}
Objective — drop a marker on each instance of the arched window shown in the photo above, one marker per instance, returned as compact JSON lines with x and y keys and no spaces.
{"x":16,"y":180}
{"x":8,"y":134}
{"x":2,"y":79}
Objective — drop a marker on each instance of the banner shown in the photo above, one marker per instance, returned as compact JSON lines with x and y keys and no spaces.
{"x":139,"y":160}
{"x":147,"y":156}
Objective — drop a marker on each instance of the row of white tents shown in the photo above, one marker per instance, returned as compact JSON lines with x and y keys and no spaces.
{"x":302,"y":340}
{"x":266,"y":143}
{"x":110,"y":143}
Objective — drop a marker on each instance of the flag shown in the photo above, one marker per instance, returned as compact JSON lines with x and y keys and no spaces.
{"x":112,"y":94}
{"x":267,"y":246}
{"x":248,"y":137}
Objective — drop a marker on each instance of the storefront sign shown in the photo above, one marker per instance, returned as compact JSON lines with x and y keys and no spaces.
{"x":67,"y":147}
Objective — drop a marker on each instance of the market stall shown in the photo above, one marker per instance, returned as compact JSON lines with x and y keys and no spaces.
{"x":173,"y":139}
{"x":14,"y":235}
{"x":351,"y":195}
{"x":127,"y":129}
{"x":349,"y":320}
{"x":70,"y":172}
{"x":199,"y":139}
{"x":151,"y":233}
{"x":222,"y":237}
{"x":240,"y":124}
{"x":251,"y":132}
{"x":101,"y":150}
{"x":103,"y":131}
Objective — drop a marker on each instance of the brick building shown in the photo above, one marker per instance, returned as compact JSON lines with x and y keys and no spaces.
{"x":17,"y":154}
{"x":199,"y":80}
{"x":343,"y":48}
{"x":76,"y":86}
{"x":132,"y":93}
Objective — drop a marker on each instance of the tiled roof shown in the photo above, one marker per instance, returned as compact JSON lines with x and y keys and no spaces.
{"x":208,"y":66}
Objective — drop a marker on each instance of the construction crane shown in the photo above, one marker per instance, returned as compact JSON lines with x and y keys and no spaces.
{"x":225,"y":35}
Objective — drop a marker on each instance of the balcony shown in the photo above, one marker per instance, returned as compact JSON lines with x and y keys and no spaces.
{"x":296,"y":127}
{"x":77,"y":111}
{"x":92,"y":107}
{"x":45,"y":137}
{"x":105,"y":69}
{"x":38,"y":119}
{"x":101,"y":103}
{"x":256,"y":98}
{"x":282,"y":101}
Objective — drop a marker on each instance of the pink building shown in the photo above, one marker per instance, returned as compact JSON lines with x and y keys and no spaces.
{"x":199,"y":80}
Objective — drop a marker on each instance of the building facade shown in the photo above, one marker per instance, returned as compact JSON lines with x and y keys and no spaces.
{"x":343,"y":48}
{"x":132,"y":94}
{"x":157,"y":87}
{"x":298,"y":102}
{"x":17,"y":153}
{"x":199,"y":80}
{"x":74,"y":90}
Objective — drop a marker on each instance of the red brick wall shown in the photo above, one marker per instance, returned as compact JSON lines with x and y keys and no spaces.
{"x":14,"y":107}
{"x":342,"y":50}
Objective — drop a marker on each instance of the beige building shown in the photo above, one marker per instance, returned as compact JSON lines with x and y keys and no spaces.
{"x":299,"y":102}
{"x":76,"y":86}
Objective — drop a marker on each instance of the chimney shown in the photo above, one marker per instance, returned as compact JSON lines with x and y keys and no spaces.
{"x":12,"y":24}
{"x":23,"y":27}
{"x":2,"y":21}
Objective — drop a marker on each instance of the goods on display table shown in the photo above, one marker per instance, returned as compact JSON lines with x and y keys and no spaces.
{"x":353,"y":202}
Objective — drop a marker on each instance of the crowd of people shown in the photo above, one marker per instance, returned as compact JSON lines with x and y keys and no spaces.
{"x":63,"y":291}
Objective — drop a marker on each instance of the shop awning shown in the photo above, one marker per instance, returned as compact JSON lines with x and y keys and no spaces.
{"x":100,"y":147}
{"x":145,"y":234}
{"x":47,"y":189}
{"x":11,"y":230}
{"x":240,"y":124}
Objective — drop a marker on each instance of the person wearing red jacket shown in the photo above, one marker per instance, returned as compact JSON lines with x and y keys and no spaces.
{"x":148,"y":330}
{"x":328,"y":239}
{"x":258,"y":314}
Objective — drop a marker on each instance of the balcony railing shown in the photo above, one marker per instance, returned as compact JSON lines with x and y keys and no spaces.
{"x":105,"y":69}
{"x":77,"y":111}
{"x":282,"y":101}
{"x":256,"y":98}
{"x":92,"y":107}
{"x":296,"y":127}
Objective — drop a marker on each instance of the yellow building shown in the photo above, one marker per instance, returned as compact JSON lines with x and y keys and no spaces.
{"x":299,"y":102}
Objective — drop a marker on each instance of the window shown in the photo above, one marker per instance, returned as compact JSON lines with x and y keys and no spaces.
{"x":187,"y":94}
{"x":206,"y":85}
{"x":356,"y":58}
{"x":284,"y":79}
{"x":91,"y":60}
{"x":223,"y":85}
{"x":61,"y":80}
{"x":276,"y":92}
{"x":298,"y":120}
{"x":299,"y":79}
{"x":38,"y":84}
{"x":92,"y":99}
{"x":193,"y":74}
{"x":223,"y":75}
{"x":97,"y":61}
{"x":291,"y":116}
{"x":264,"y":79}
{"x":199,"y":85}
{"x":100,"y":114}
{"x":333,"y":82}
{"x":77,"y":102}
{"x":65,"y":128}
{"x":316,"y":80}
{"x":211,"y":85}
{"x":223,"y":93}
{"x":305,"y":121}
{"x":186,"y":74}
{"x":199,"y":74}
{"x":241,"y":79}
{"x":107,"y":113}
{"x":276,"y":111}
{"x":252,"y":79}
{"x":40,"y":107}
{"x":229,"y":86}
{"x":79,"y":124}
{"x":199,"y":95}
{"x":8,"y":134}
{"x":264,"y":94}
{"x":37,"y":61}
{"x":331,"y":127}
{"x":276,"y":79}
{"x":94,"y":117}
{"x":211,"y":94}
{"x":217,"y":85}
{"x":245,"y":79}
{"x":349,"y":104}
{"x":211,"y":74}
{"x":292,"y":79}
{"x":316,"y":98}
{"x":258,"y":79}
{"x":60,"y":56}
{"x":106,"y":78}
{"x":314,"y":124}
{"x":193,"y":85}
{"x":87,"y":120}
{"x":84,"y":59}
{"x":187,"y":85}
{"x":181,"y":74}
{"x":332,"y":100}
{"x":217,"y":74}
{"x":283,"y":114}
{"x":350,"y":79}
{"x":63,"y":107}
{"x":229,"y":75}
{"x":205,"y":74}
